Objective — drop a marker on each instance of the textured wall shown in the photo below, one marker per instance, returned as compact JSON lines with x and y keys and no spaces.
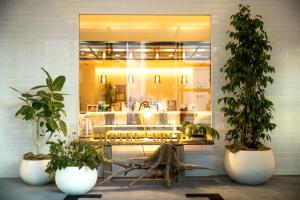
{"x":37,"y":33}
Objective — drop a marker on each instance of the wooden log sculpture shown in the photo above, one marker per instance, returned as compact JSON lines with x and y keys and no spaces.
{"x":163,"y":162}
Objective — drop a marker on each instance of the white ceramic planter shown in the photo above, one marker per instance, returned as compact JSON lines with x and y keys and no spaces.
{"x":33,"y":172}
{"x":75,"y":181}
{"x":250,"y":167}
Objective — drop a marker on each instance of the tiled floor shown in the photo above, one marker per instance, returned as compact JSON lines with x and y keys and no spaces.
{"x":278,"y":188}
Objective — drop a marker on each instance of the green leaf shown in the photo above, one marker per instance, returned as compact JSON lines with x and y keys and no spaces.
{"x":48,"y":75}
{"x":38,"y":87}
{"x":58,"y":105}
{"x":27,"y":95}
{"x":58,"y":97}
{"x":21,"y":110}
{"x":58,"y":83}
{"x":49,"y":83}
{"x":51,"y":124}
{"x":63,"y":127}
{"x":36,"y":105}
{"x":28,"y":113}
{"x":43,"y":94}
{"x":15,"y":90}
{"x":41,"y":124}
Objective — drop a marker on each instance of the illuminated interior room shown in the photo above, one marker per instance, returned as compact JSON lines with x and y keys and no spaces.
{"x":149,"y":100}
{"x":140,"y":86}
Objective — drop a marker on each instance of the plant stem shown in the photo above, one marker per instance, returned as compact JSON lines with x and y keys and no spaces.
{"x":36,"y":137}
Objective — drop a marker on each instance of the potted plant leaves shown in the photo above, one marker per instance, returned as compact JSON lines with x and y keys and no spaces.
{"x":247,"y":109}
{"x":75,"y":166}
{"x":43,"y":107}
{"x":199,"y":130}
{"x":108,"y":95}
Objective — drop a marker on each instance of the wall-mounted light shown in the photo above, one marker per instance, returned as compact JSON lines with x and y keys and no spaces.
{"x":184,"y":79}
{"x":130,"y":55}
{"x":130,"y":78}
{"x":103,"y":79}
{"x":103,"y":55}
{"x":157,"y":56}
{"x":157,"y":79}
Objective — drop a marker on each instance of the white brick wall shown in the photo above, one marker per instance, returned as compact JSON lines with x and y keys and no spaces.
{"x":36,"y":33}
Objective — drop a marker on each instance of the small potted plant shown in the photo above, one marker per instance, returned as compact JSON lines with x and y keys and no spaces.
{"x":247,"y":109}
{"x":43,"y":107}
{"x":75,"y":166}
{"x":199,"y":130}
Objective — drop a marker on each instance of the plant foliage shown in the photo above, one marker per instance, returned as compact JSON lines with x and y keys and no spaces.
{"x":108,"y":93}
{"x":199,"y":130}
{"x":73,"y":155}
{"x":247,"y":72}
{"x":43,"y":105}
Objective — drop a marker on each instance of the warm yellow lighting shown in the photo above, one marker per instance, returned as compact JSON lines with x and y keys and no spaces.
{"x":103,"y":55}
{"x":130,"y":78}
{"x":103,"y":79}
{"x":130,"y":55}
{"x":156,"y":56}
{"x":183,"y":55}
{"x":143,"y":56}
{"x":143,"y":50}
{"x":184,"y":79}
{"x":184,"y":70}
{"x":147,"y":113}
{"x":157,"y":79}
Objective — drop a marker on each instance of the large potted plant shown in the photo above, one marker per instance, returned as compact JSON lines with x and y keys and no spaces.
{"x":75,"y":166}
{"x":247,"y":109}
{"x":43,"y":107}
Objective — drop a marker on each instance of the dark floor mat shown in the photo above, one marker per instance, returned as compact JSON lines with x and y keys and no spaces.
{"x":209,"y":196}
{"x":83,"y":197}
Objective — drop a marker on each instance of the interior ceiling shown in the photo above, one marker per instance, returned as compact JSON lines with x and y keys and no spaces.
{"x":145,"y":28}
{"x":145,"y":51}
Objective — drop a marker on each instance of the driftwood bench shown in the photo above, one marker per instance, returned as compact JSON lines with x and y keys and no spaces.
{"x":165,"y":162}
{"x":107,"y":167}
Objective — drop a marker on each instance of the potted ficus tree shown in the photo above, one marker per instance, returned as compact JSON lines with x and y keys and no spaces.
{"x":247,"y":109}
{"x":43,"y":107}
{"x":75,"y":166}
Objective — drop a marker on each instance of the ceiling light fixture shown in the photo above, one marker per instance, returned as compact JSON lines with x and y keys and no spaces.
{"x":157,"y":79}
{"x":103,"y":79}
{"x":157,"y":55}
{"x":130,"y":78}
{"x":184,"y":79}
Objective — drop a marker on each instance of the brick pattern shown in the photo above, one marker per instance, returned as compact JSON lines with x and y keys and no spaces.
{"x":37,"y":33}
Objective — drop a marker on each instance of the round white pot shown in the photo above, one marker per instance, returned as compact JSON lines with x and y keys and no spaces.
{"x":75,"y":181}
{"x":33,"y":172}
{"x":250,"y":167}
